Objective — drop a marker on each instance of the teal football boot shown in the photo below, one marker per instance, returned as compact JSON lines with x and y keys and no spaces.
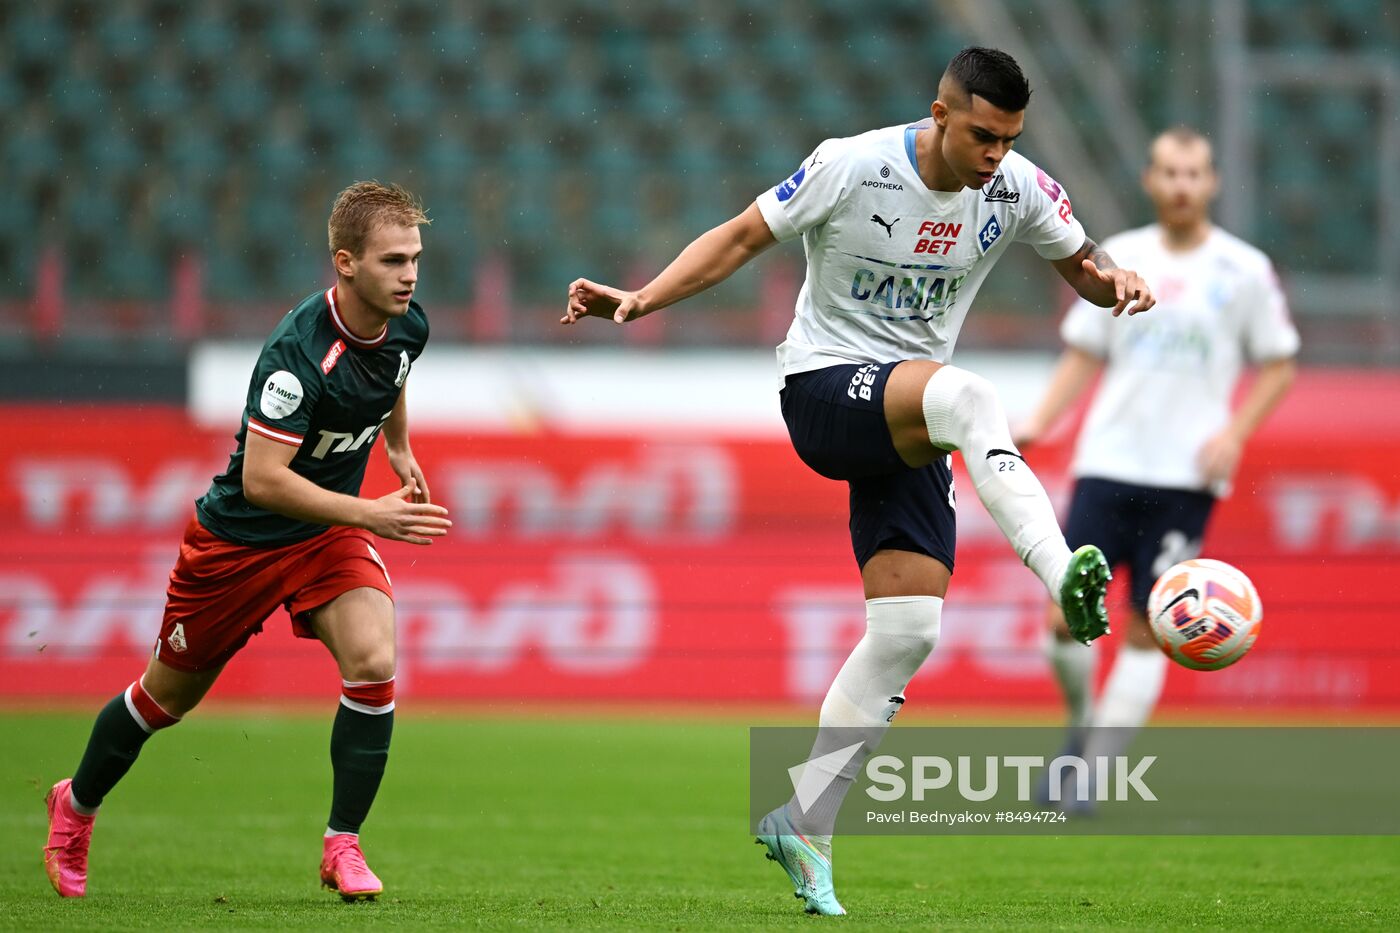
{"x":805,"y":864}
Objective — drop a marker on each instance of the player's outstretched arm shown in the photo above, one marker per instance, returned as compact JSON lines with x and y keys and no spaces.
{"x":1096,"y":277}
{"x":1073,"y":374}
{"x":401,"y":459}
{"x":710,"y":259}
{"x":269,"y":483}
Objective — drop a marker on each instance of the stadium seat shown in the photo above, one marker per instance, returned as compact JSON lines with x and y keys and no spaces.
{"x":37,"y":36}
{"x":225,"y":123}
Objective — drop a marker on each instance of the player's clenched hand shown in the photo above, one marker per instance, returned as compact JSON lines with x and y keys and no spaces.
{"x":589,"y":299}
{"x":1128,"y":287}
{"x":399,"y":518}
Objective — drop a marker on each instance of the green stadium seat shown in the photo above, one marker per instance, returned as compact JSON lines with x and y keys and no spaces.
{"x":541,"y":45}
{"x":80,"y":98}
{"x":453,"y":40}
{"x":183,"y":216}
{"x":292,"y":39}
{"x":92,"y":210}
{"x":641,"y":123}
{"x":31,"y":153}
{"x":241,"y":104}
{"x":205,"y":39}
{"x":37,"y":36}
{"x":112,"y":144}
{"x":280,"y":159}
{"x":126,"y":37}
{"x":360,"y":155}
{"x":192,"y":151}
{"x":410,"y":106}
{"x":161,"y":97}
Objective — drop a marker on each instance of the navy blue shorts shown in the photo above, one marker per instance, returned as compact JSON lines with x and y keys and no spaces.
{"x":1145,"y":528}
{"x":836,"y":419}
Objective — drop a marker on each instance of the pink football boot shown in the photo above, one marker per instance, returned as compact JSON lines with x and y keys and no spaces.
{"x":343,"y":869}
{"x":66,"y":855}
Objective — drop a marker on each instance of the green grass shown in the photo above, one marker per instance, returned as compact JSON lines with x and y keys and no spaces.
{"x":621,"y":824}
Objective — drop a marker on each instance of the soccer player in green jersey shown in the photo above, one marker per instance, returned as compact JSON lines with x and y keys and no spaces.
{"x":284,"y":525}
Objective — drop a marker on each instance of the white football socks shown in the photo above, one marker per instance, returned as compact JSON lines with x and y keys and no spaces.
{"x":1073,"y":665}
{"x":1133,"y":686}
{"x":866,"y":695}
{"x":1129,"y":696}
{"x":963,"y":412}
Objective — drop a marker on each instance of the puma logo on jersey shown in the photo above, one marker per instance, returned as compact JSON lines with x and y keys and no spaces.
{"x":889,"y":227}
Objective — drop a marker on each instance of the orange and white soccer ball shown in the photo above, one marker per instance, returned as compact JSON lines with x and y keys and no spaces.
{"x":1205,"y":614}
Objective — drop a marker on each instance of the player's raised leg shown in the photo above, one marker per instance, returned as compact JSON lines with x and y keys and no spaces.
{"x":358,"y":628}
{"x":156,"y":700}
{"x":933,"y":408}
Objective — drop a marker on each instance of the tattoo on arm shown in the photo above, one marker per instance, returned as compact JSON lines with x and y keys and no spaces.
{"x":1099,"y":255}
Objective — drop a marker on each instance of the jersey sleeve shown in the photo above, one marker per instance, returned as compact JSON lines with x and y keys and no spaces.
{"x":283,"y":392}
{"x":1049,"y":223}
{"x":808,"y":196}
{"x":1269,"y":332}
{"x":1087,"y":327}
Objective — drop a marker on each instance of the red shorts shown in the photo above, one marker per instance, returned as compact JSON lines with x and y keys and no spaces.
{"x":221,"y":593}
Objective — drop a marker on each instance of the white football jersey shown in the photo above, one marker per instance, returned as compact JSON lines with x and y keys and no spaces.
{"x":1169,"y":373}
{"x":892,"y":266}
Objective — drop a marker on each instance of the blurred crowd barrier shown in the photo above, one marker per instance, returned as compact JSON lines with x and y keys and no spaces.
{"x":693,"y":564}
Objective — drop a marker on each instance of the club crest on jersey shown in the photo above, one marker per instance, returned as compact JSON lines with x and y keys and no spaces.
{"x":332,"y":357}
{"x":176,"y":639}
{"x":403,"y":369}
{"x":989,"y":234}
{"x":788,"y":188}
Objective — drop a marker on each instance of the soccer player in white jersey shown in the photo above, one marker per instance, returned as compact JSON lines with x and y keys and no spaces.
{"x":900,"y":226}
{"x":1160,"y":443}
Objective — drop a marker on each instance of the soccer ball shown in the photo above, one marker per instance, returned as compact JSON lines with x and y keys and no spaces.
{"x":1204,"y":614}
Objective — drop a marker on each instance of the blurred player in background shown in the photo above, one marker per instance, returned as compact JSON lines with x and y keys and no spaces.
{"x":1160,"y":444}
{"x":284,"y":526}
{"x":900,"y":226}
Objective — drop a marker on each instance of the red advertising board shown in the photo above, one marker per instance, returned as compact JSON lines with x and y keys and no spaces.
{"x":699,"y":568}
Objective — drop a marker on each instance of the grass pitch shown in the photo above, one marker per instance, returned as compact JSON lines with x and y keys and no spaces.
{"x":620,"y":824}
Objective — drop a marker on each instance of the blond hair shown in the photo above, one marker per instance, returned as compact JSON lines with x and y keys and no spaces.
{"x":1182,"y":135}
{"x":365,"y":205}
